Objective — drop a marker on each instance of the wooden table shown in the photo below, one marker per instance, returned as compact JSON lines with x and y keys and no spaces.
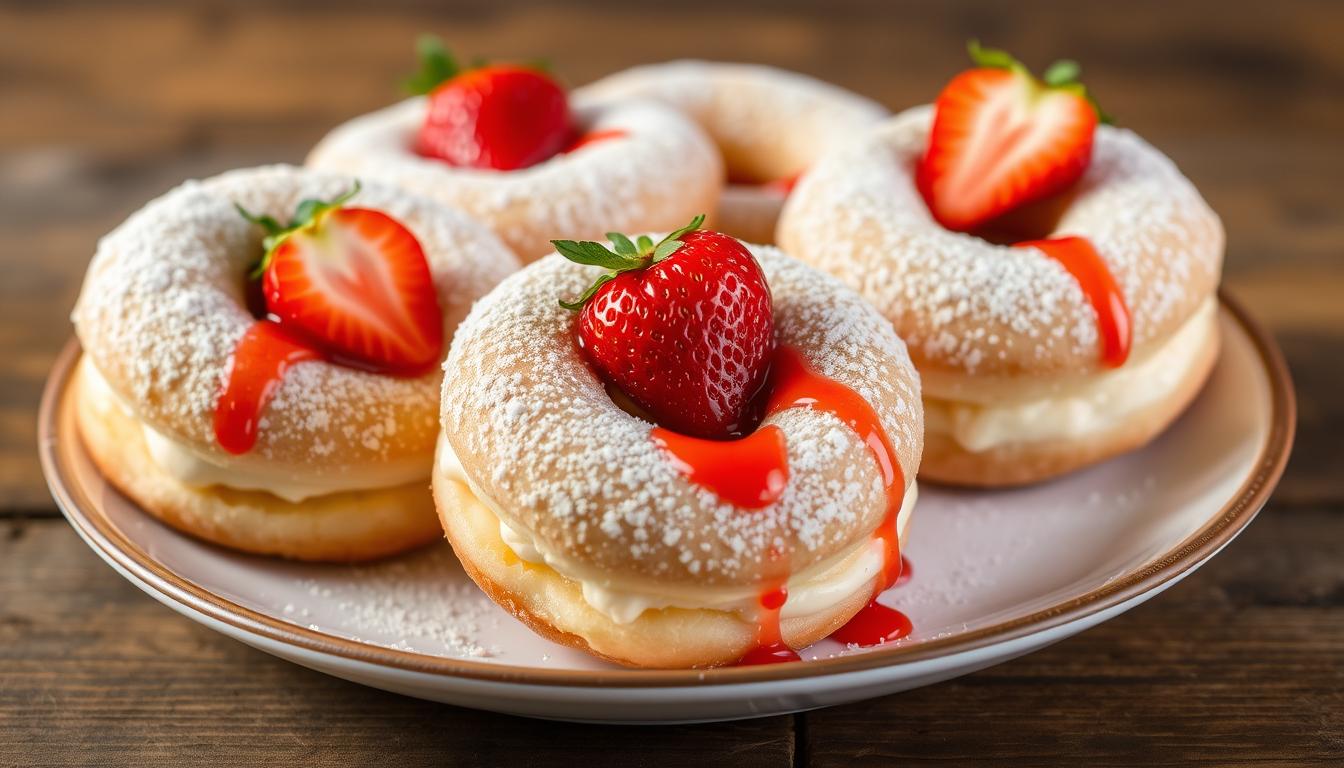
{"x":104,"y":105}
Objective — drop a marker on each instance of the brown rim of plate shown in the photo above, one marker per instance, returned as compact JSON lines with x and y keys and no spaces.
{"x":56,"y":438}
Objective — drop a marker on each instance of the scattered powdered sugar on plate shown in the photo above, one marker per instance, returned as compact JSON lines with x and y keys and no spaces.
{"x":417,"y":603}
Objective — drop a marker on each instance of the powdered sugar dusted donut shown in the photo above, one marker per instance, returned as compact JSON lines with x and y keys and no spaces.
{"x":341,"y":455}
{"x":563,"y":508}
{"x":1006,"y":340}
{"x":770,"y":125}
{"x":654,"y":170}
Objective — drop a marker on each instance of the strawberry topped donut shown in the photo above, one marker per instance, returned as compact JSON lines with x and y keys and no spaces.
{"x":1055,"y":277}
{"x":505,"y":143}
{"x":262,"y":358}
{"x":682,"y":453}
{"x":769,"y":124}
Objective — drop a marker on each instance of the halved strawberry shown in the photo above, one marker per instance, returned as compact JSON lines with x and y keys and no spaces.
{"x":354,"y":282}
{"x":683,"y":327}
{"x":1002,"y":139}
{"x":500,"y":116}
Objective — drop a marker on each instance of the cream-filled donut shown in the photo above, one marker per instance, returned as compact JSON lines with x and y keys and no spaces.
{"x":570,"y":513}
{"x":770,"y":125}
{"x":340,"y":460}
{"x":645,"y":167}
{"x":1009,"y":341}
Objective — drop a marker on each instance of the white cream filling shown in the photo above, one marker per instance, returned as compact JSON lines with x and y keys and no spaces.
{"x":190,"y":467}
{"x":812,"y":590}
{"x":1095,"y":405}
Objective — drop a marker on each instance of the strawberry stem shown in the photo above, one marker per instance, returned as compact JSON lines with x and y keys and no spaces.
{"x":437,"y":66}
{"x":625,"y":255}
{"x":307,"y":212}
{"x":1063,"y":75}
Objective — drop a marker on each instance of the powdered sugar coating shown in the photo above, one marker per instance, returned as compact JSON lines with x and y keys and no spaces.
{"x":965,"y":305}
{"x":658,"y":175}
{"x":162,"y":310}
{"x":541,"y":439}
{"x":769,"y":123}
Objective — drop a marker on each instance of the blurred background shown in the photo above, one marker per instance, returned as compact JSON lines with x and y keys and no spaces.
{"x":104,"y":105}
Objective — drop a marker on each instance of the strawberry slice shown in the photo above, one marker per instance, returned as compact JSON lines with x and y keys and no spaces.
{"x":683,"y":327}
{"x":355,"y":283}
{"x":1002,"y":139}
{"x":502,"y":117}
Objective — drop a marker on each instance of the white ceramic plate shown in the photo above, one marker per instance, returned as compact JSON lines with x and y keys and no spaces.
{"x":996,"y":575}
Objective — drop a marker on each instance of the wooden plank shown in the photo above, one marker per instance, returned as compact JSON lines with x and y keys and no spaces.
{"x":1241,"y":664}
{"x":93,"y":672}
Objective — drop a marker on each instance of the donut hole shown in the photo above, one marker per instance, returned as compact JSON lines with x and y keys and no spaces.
{"x":1034,"y":221}
{"x":751,"y":419}
{"x":254,"y":297}
{"x":753,"y":169}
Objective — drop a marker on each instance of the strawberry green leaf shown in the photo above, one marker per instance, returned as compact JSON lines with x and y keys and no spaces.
{"x":992,"y":57}
{"x":311,"y":208}
{"x":665,"y":249}
{"x":594,"y":254}
{"x":578,"y":303}
{"x":264,"y":221}
{"x":623,"y":245}
{"x":1062,"y":75}
{"x":626,"y":257}
{"x":1062,"y":72}
{"x":307,"y":212}
{"x":437,"y":66}
{"x":694,"y":225}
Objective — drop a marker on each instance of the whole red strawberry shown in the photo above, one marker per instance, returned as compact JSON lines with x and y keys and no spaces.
{"x":502,"y":117}
{"x":684,"y":327}
{"x":1002,"y":139}
{"x":354,"y":283}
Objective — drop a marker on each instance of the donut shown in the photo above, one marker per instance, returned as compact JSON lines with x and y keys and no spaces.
{"x":646,"y":168}
{"x":1007,"y":339}
{"x":341,"y":456}
{"x":769,"y":124}
{"x":568,"y":513}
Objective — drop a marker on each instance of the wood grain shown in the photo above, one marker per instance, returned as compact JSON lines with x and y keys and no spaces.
{"x":104,"y":105}
{"x":105,"y":676}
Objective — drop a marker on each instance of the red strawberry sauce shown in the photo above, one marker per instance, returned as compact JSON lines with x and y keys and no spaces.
{"x":750,"y":472}
{"x":755,"y":469}
{"x":1080,"y":258}
{"x":258,"y":365}
{"x":770,"y":646}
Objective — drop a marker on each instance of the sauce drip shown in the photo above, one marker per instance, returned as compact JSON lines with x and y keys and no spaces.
{"x":874,"y":624}
{"x":907,"y":570}
{"x":770,"y":646}
{"x":258,"y":365}
{"x":750,"y":472}
{"x":754,"y":469}
{"x":797,"y":386}
{"x":1077,"y":255}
